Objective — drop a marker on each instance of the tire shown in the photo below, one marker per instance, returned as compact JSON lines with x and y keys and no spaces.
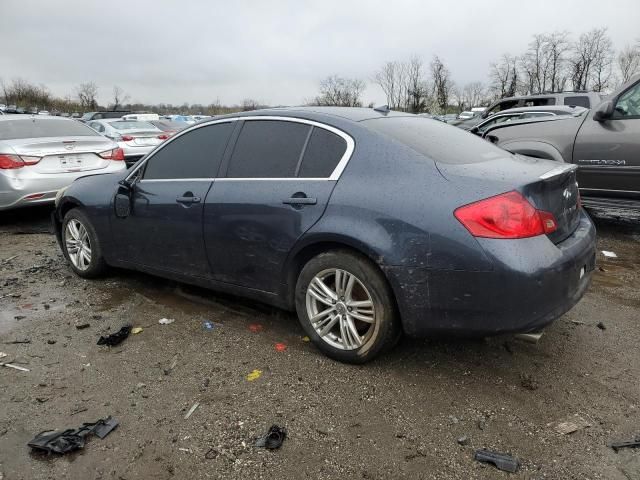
{"x":76,"y":225}
{"x":335,"y":336}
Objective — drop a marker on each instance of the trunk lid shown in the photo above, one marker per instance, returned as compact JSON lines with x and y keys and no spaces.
{"x":547,"y":185}
{"x":64,"y":154}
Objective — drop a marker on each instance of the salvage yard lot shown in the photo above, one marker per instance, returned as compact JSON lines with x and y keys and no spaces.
{"x":397,"y":417}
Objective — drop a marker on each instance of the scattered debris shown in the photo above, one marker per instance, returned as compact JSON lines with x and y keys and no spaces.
{"x":528,"y":382}
{"x":464,"y":440}
{"x":211,"y":454}
{"x":136,"y":330}
{"x":209,"y":325}
{"x":601,"y":326}
{"x":255,"y":327}
{"x":273,"y":439}
{"x":166,"y":321}
{"x":254,"y":375}
{"x":570,"y":426}
{"x":609,"y":254}
{"x":502,"y":461}
{"x":51,"y":342}
{"x":635,"y":443}
{"x":306,"y":339}
{"x":280,"y":347}
{"x":19,"y":317}
{"x":15,"y":367}
{"x":577,"y":322}
{"x":78,"y":410}
{"x":82,"y":325}
{"x":6,"y":260}
{"x":191,"y":410}
{"x":174,"y":362}
{"x":115,"y":338}
{"x":71,"y":439}
{"x":13,"y":342}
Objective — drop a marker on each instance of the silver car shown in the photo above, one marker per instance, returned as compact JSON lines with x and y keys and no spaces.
{"x":40,"y":155}
{"x":136,"y":138}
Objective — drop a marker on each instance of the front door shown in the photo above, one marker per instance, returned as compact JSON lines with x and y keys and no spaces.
{"x":607,"y":152}
{"x":277,"y":184}
{"x":164,"y":228}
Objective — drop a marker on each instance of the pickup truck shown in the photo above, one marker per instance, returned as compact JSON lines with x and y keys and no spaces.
{"x":603,"y":142}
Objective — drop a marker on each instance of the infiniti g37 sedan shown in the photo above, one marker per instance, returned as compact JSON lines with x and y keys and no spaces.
{"x":368,"y":223}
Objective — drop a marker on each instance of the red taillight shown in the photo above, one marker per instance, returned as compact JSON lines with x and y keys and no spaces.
{"x":508,"y":215}
{"x":115,"y":154}
{"x":127,"y":138}
{"x":10,"y":162}
{"x":163,"y":136}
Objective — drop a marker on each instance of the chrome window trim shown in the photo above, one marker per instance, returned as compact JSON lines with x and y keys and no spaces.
{"x":335,"y":175}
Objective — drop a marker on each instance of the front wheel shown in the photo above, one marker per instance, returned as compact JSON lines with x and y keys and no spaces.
{"x":80,"y":245}
{"x":346,"y":307}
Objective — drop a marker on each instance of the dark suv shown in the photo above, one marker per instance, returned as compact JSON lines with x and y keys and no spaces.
{"x":87,"y":117}
{"x":572,"y":99}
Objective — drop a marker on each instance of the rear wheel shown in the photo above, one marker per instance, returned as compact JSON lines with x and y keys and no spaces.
{"x":80,"y":245}
{"x":346,"y":307}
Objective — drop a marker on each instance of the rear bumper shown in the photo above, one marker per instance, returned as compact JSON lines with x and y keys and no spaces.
{"x":533,"y":283}
{"x":18,"y":190}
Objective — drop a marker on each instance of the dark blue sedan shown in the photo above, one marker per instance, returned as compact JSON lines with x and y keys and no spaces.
{"x":368,"y":223}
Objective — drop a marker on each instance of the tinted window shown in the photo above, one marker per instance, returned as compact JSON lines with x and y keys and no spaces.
{"x":197,"y":154}
{"x":132,"y":125}
{"x":537,"y":102}
{"x":628,"y":104}
{"x":38,"y":127}
{"x":436,"y":140}
{"x":268,"y":149}
{"x":577,"y":101}
{"x":324,"y":151}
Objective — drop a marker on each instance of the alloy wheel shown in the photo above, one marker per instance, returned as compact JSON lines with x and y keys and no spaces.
{"x":340,"y":309}
{"x":78,"y":244}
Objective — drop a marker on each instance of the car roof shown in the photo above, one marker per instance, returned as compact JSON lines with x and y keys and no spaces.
{"x":27,"y":116}
{"x":543,"y":108}
{"x":355,"y":114}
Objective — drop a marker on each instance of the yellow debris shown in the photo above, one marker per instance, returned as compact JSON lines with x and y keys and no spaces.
{"x":254,"y":375}
{"x":136,"y":330}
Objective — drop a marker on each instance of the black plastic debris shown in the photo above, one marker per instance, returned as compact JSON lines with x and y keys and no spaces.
{"x":502,"y":461}
{"x":635,"y":443}
{"x":71,"y":439}
{"x":116,"y":338}
{"x":273,"y":439}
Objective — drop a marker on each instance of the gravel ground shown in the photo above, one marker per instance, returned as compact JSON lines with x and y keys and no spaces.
{"x":398,"y":417}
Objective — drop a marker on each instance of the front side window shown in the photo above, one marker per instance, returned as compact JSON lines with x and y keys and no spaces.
{"x":268,"y":149}
{"x":195,"y":154}
{"x":628,"y":104}
{"x":578,"y":101}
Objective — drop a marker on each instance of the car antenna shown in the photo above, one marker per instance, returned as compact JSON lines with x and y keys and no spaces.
{"x":383,"y":109}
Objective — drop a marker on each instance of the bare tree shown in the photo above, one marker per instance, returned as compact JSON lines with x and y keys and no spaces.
{"x":442,"y":83}
{"x":391,"y":79}
{"x":87,"y":93}
{"x":591,"y":60}
{"x":417,"y":87}
{"x":119,"y":97}
{"x":504,"y":76}
{"x":341,"y":92}
{"x":628,"y":62}
{"x":473,"y":94}
{"x":249,"y":104}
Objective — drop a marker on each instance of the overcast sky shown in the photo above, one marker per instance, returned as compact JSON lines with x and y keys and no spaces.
{"x":274,"y":51}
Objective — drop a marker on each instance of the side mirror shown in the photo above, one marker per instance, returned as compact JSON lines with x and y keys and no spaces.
{"x":604,"y":111}
{"x":475,"y":130}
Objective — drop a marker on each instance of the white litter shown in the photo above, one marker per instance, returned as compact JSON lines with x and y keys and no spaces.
{"x":609,"y":254}
{"x":191,"y":410}
{"x":166,"y":321}
{"x":10,"y":365}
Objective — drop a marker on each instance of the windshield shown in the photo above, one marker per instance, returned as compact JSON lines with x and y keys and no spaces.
{"x":132,"y":125}
{"x":43,"y":127}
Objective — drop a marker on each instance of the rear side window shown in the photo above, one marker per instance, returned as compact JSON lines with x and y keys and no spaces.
{"x":196,"y":154}
{"x":323,"y":153}
{"x":578,"y":101}
{"x":268,"y":149}
{"x":538,"y":102}
{"x":39,"y":127}
{"x":436,"y":140}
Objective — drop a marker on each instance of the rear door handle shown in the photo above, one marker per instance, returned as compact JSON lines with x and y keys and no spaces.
{"x":300,"y":201}
{"x":187,"y":200}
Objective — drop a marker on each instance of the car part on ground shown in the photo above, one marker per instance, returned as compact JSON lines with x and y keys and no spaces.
{"x":41,"y":155}
{"x":303,"y":207}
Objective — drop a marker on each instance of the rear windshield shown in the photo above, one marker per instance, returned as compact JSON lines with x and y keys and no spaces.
{"x":437,"y":140}
{"x":132,"y":125}
{"x":43,"y":127}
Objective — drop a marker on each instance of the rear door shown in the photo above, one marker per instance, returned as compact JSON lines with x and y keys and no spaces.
{"x":608,"y":152}
{"x":164,"y":228}
{"x":276,"y":185}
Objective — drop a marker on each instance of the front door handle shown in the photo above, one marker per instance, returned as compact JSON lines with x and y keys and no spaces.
{"x":300,"y":201}
{"x":188,"y":200}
